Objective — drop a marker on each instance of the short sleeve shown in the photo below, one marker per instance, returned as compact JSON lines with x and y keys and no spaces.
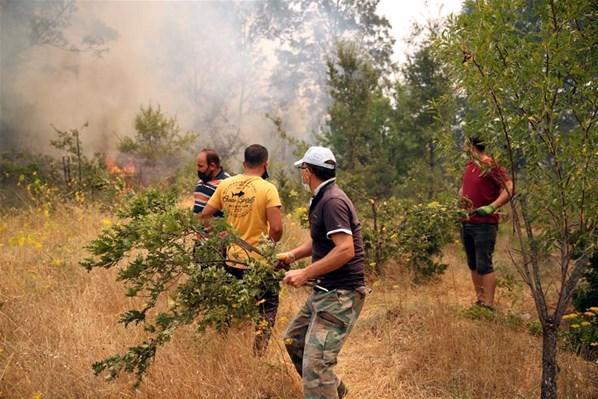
{"x":215,"y":200}
{"x":499,"y":175}
{"x":337,"y":217}
{"x":272,"y":197}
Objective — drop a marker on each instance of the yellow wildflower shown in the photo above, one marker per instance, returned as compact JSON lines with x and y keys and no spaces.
{"x":594,"y":309}
{"x":569,"y":316}
{"x":37,"y":395}
{"x":585,"y":323}
{"x":18,"y":240}
{"x":283,"y":319}
{"x":106,"y":222}
{"x":575,"y":326}
{"x":288,"y":341}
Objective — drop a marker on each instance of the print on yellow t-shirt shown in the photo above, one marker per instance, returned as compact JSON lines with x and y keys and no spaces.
{"x":244,"y":200}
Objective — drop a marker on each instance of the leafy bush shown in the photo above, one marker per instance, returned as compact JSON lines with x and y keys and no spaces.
{"x":154,"y":246}
{"x":83,"y":175}
{"x":40,"y":180}
{"x":380,"y":224}
{"x":586,"y":294}
{"x":581,"y":333}
{"x":412,"y":234}
{"x":159,"y":145}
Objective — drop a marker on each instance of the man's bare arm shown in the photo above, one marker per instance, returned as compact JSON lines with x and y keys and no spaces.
{"x":302,"y":251}
{"x":208,"y":212}
{"x":275,"y":222}
{"x":505,"y":195}
{"x":342,"y":252}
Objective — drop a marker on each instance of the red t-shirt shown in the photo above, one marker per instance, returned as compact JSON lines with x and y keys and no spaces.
{"x":482,"y":187}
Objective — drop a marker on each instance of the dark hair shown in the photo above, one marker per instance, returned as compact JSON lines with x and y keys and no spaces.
{"x":255,"y":155}
{"x":321,"y":172}
{"x":477,"y":143}
{"x":211,"y":156}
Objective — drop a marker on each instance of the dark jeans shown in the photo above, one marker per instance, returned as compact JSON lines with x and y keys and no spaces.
{"x":268,"y":307}
{"x":478,"y":241}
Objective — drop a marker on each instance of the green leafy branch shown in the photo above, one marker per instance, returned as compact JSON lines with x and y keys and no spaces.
{"x":180,"y":277}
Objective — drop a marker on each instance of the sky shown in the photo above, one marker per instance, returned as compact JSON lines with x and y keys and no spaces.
{"x":403,"y":13}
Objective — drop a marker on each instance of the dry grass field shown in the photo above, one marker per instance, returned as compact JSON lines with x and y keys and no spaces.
{"x":411,"y":341}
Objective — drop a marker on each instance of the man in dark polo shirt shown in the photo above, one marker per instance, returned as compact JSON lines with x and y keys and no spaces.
{"x":210,"y":174}
{"x":486,"y":187}
{"x":316,"y":335}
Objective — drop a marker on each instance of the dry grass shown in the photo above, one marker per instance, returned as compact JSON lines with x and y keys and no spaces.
{"x":410,"y":342}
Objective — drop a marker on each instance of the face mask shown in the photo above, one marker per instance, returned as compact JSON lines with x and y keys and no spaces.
{"x":205,"y":177}
{"x":306,"y":186}
{"x":265,"y":175}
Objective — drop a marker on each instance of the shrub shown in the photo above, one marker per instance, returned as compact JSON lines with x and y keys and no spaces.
{"x":586,"y":295}
{"x":154,"y":246}
{"x":412,"y":234}
{"x":580,"y":333}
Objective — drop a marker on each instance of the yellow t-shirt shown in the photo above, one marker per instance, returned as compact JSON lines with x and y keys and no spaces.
{"x":244,"y":200}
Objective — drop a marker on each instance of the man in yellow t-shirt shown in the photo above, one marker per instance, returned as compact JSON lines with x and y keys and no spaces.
{"x":251,"y":205}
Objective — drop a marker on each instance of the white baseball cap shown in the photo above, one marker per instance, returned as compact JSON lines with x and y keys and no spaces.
{"x":318,"y":156}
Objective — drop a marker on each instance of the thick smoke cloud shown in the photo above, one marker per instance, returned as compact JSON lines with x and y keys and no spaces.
{"x":187,"y":57}
{"x":216,"y":66}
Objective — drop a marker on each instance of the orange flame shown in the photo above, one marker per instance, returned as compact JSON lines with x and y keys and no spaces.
{"x":113,"y":168}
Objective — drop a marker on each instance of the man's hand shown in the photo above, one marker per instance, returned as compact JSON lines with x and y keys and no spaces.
{"x":295,"y":278}
{"x":485,"y":210}
{"x":286,"y":257}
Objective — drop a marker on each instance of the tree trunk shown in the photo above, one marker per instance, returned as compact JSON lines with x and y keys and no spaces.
{"x":549,"y":366}
{"x":432,"y":163}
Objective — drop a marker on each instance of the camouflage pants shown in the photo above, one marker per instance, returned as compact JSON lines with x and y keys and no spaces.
{"x":316,"y":335}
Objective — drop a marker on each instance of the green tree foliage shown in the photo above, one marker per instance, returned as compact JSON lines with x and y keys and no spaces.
{"x":413,"y":234}
{"x":159,"y":140}
{"x":380,"y":145}
{"x":357,"y":128}
{"x":417,"y":119}
{"x":530,"y":70}
{"x":180,"y":281}
{"x":82,"y":174}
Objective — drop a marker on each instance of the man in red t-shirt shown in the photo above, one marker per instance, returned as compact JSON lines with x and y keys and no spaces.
{"x":485,"y":188}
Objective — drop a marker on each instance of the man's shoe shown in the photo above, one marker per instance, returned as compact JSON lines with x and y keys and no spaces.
{"x":342,"y":390}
